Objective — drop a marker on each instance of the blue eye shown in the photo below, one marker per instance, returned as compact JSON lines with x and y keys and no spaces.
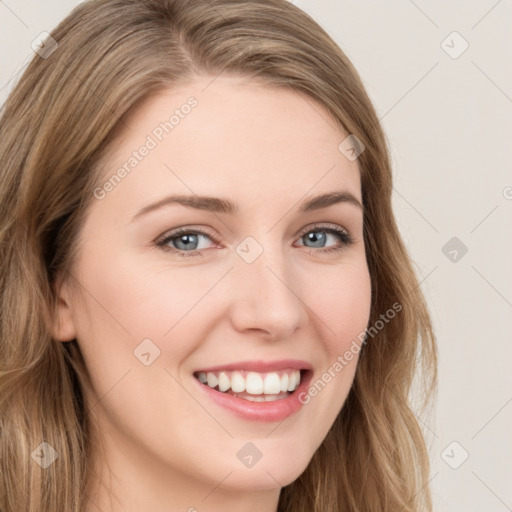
{"x":189,"y":240}
{"x":317,"y":236}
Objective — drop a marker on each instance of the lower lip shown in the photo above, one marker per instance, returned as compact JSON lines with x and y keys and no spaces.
{"x":277,"y":410}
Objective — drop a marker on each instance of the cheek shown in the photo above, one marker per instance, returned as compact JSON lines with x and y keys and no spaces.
{"x":140,"y":300}
{"x":134,"y":315}
{"x":340,"y":298}
{"x":340,"y":302}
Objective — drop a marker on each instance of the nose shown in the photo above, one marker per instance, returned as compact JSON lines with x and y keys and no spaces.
{"x":267,"y":296}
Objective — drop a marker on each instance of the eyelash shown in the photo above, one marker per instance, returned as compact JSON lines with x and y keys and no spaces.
{"x":344,"y":236}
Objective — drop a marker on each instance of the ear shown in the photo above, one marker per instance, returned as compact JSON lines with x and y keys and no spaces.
{"x":64,"y":325}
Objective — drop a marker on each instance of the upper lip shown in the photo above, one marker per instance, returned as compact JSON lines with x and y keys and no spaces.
{"x":260,"y":366}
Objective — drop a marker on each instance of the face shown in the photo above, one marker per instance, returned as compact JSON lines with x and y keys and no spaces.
{"x":254,"y":297}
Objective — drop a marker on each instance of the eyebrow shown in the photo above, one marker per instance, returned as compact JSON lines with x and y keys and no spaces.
{"x":219,"y":205}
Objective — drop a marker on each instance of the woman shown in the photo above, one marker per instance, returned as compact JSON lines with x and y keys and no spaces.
{"x":252,"y":372}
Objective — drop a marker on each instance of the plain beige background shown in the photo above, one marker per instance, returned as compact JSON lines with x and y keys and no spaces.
{"x":440,"y":78}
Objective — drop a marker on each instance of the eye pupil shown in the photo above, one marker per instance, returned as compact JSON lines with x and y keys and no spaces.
{"x":188,"y":240}
{"x":317,"y":237}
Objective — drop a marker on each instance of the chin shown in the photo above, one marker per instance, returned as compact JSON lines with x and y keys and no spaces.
{"x":273,"y":474}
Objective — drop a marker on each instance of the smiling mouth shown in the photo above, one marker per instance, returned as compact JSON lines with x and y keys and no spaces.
{"x":253,"y":386}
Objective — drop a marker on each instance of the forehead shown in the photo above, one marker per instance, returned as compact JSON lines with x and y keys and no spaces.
{"x":230,"y":136}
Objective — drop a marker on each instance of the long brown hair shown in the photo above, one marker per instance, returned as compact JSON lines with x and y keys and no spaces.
{"x":56,"y":125}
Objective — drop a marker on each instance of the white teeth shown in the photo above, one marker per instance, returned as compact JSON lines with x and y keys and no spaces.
{"x":267,"y":398}
{"x":272,"y":384}
{"x":224,"y":383}
{"x":255,"y":398}
{"x":254,"y":383}
{"x":237,"y":382}
{"x":294,"y":381}
{"x":284,"y":382}
{"x":212,"y":379}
